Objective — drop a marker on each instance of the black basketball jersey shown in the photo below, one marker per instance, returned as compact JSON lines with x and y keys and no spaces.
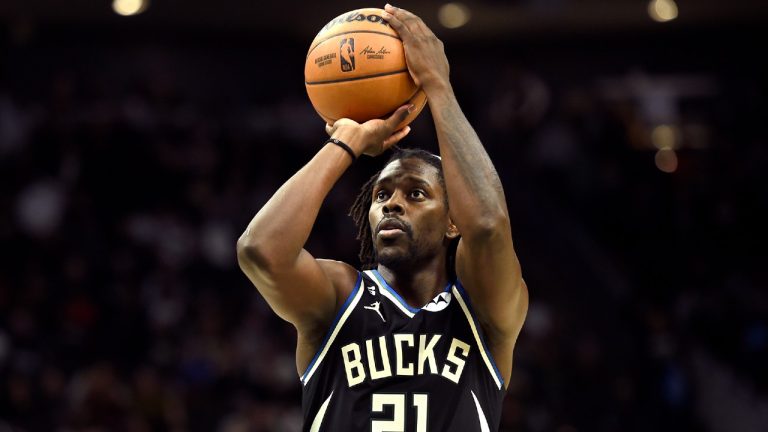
{"x":387,"y":367}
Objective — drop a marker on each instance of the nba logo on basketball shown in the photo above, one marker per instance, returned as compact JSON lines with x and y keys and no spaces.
{"x":347,"y":54}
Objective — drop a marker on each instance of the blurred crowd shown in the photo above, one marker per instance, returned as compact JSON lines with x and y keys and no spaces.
{"x":127,"y":175}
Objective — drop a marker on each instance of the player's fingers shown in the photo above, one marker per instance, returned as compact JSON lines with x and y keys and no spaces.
{"x":342,"y":122}
{"x":395,"y":23}
{"x":398,"y":116}
{"x":396,"y":137}
{"x":404,"y":18}
{"x":419,"y":27}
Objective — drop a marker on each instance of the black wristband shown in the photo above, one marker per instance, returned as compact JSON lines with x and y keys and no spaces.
{"x":344,"y":146}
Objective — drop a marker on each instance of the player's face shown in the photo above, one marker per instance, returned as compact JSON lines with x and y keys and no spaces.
{"x":408,"y":214}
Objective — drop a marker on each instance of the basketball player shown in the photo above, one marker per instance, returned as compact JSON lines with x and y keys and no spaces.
{"x":423,"y":340}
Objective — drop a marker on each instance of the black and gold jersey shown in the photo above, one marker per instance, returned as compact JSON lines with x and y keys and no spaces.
{"x":385,"y":366}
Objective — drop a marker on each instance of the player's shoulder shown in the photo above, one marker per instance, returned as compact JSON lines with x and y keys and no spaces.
{"x":343,"y":276}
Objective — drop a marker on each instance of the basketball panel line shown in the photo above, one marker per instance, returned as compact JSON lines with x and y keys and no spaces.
{"x":356,"y":78}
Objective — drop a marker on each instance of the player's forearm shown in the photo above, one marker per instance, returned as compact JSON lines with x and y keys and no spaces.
{"x":275,"y":236}
{"x":474,"y":189}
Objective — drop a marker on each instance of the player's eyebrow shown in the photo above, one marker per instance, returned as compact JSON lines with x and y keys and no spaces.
{"x":420,"y":181}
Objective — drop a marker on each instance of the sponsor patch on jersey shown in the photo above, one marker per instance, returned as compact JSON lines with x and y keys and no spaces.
{"x":439,"y":303}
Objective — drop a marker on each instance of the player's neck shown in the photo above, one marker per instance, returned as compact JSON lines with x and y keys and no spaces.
{"x":417,"y":286}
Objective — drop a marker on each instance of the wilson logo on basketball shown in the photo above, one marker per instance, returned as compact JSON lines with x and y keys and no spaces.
{"x":347,"y":54}
{"x":355,"y":17}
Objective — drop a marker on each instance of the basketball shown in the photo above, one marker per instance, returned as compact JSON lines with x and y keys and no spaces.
{"x":355,"y":68}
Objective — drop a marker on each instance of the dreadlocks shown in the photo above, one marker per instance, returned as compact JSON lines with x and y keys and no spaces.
{"x":362,"y":204}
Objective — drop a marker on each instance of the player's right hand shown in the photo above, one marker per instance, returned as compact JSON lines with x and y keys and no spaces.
{"x":424,"y":52}
{"x":373,"y":137}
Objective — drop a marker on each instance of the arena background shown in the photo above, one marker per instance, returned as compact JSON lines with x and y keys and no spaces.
{"x":135,"y":149}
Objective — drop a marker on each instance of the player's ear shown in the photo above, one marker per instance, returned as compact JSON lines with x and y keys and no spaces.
{"x":452,"y":232}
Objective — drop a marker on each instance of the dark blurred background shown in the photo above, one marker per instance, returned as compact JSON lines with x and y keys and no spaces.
{"x":135,"y":149}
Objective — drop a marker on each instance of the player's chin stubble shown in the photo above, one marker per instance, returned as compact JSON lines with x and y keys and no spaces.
{"x":397,"y":257}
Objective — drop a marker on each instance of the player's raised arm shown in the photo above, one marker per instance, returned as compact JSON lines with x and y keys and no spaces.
{"x":486,"y":263}
{"x":300,"y":289}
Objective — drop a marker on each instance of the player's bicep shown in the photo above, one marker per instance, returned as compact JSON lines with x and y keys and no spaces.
{"x":302,"y":293}
{"x":490,"y":272}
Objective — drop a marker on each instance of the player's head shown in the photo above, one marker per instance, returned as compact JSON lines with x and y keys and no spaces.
{"x":401,"y":213}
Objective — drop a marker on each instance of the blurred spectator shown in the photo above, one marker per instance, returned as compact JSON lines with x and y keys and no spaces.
{"x":127,"y":175}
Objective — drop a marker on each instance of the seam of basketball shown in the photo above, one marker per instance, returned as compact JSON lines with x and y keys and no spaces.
{"x":418,"y":89}
{"x":356,"y":78}
{"x":312,"y":48}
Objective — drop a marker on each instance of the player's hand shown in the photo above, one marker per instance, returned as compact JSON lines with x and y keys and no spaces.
{"x":424,"y":52}
{"x":372,"y":137}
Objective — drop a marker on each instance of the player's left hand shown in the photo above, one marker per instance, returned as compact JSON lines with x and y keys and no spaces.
{"x":424,"y":52}
{"x":373,"y":137}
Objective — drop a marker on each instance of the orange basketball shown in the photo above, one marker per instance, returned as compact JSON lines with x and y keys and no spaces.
{"x":356,"y":68}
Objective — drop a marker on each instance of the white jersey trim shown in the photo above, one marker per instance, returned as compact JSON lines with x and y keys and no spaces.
{"x":345,"y":310}
{"x":480,"y":414}
{"x":318,"y":421}
{"x":487,"y":358}
{"x":387,"y":292}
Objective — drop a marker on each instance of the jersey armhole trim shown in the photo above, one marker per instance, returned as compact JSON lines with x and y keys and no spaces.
{"x":333,"y":330}
{"x":466,"y":306}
